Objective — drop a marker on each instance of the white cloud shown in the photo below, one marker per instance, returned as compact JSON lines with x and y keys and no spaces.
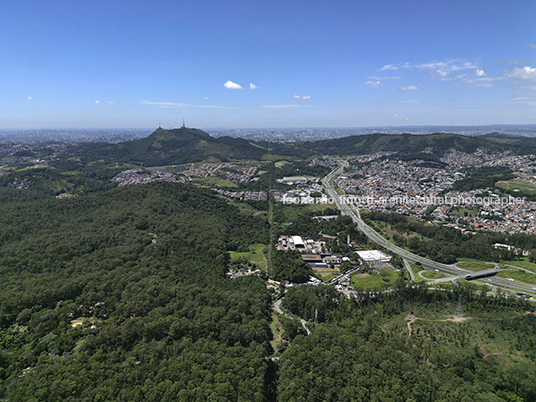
{"x":481,"y":81}
{"x":373,"y":84}
{"x":306,"y":97}
{"x":532,"y":46}
{"x":283,"y":106}
{"x":521,"y":99}
{"x":441,"y":69}
{"x":30,"y":98}
{"x":232,"y":85}
{"x":206,"y":97}
{"x":252,"y":86}
{"x":525,"y":73}
{"x":395,"y":66}
{"x":110,"y":102}
{"x":480,"y":73}
{"x":97,"y":102}
{"x":410,"y":88}
{"x":297,"y":96}
{"x":447,"y":65}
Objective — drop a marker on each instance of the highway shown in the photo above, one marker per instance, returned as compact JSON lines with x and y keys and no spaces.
{"x":353,"y":212}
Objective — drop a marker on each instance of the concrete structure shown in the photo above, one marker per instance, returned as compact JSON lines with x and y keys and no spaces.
{"x":297,"y":241}
{"x":293,"y":180}
{"x":332,"y":260}
{"x":481,"y":274}
{"x":312,"y":258}
{"x":374,"y":257}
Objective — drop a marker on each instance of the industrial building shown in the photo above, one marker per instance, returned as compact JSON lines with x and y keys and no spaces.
{"x":374,"y":257}
{"x":297,"y":241}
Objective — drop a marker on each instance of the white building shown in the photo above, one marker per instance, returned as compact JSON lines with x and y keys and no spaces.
{"x":374,"y":257}
{"x":298,"y":242}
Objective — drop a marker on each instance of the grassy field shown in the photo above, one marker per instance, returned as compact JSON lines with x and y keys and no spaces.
{"x":292,"y":211}
{"x":326,"y":274}
{"x":416,"y":269}
{"x":467,"y":211}
{"x":518,"y":275}
{"x":214,"y":180}
{"x":433,"y":275}
{"x":473,"y":265}
{"x":254,"y":255}
{"x":374,"y":280}
{"x":517,"y":184}
{"x":328,"y":278}
{"x":522,"y":264}
{"x":277,"y":331}
{"x":245,"y":208}
{"x":280,"y":164}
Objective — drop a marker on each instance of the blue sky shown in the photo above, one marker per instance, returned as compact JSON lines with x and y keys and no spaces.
{"x":266,"y":64}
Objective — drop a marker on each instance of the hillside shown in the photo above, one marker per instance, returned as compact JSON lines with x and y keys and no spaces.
{"x":169,"y":147}
{"x":187,"y":145}
{"x":123,"y":296}
{"x":435,"y":144}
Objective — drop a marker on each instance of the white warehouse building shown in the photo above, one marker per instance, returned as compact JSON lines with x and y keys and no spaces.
{"x":298,"y":242}
{"x":374,"y":257}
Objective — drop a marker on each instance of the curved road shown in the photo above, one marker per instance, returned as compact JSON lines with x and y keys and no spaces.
{"x":353,"y":212}
{"x":277,"y":308}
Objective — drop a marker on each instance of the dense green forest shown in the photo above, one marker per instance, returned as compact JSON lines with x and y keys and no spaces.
{"x":405,"y":346}
{"x":482,"y":178}
{"x":123,"y":296}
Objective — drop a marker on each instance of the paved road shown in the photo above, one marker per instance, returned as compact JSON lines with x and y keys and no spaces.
{"x":277,"y":308}
{"x":353,"y":212}
{"x":406,"y":264}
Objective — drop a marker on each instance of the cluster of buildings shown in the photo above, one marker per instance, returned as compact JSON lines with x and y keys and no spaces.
{"x":235,"y":173}
{"x":413,"y":188}
{"x":391,"y":178}
{"x":315,"y":253}
{"x":495,"y":213}
{"x":297,"y":243}
{"x":370,"y":157}
{"x":142,"y":176}
{"x":20,"y":184}
{"x":308,"y":191}
{"x":243,"y":195}
{"x":330,"y":163}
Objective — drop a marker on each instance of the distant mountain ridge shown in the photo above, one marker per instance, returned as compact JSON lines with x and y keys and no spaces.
{"x":177,"y":146}
{"x":187,"y":145}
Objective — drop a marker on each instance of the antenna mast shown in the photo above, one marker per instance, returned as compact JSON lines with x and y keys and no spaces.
{"x":459,"y":310}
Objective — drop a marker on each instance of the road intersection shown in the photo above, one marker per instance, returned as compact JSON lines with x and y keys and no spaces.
{"x":456,"y":273}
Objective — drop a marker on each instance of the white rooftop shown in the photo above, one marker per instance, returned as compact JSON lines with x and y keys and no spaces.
{"x":373,"y":255}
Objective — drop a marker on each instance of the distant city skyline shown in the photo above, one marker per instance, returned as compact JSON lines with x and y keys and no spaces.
{"x":280,"y":64}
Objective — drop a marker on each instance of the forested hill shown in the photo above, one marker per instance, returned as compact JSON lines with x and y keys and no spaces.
{"x":435,"y":144}
{"x":182,"y":145}
{"x":186,"y":145}
{"x":122,"y":296}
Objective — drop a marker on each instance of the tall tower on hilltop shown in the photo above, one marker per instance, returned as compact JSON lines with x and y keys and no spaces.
{"x":183,"y":125}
